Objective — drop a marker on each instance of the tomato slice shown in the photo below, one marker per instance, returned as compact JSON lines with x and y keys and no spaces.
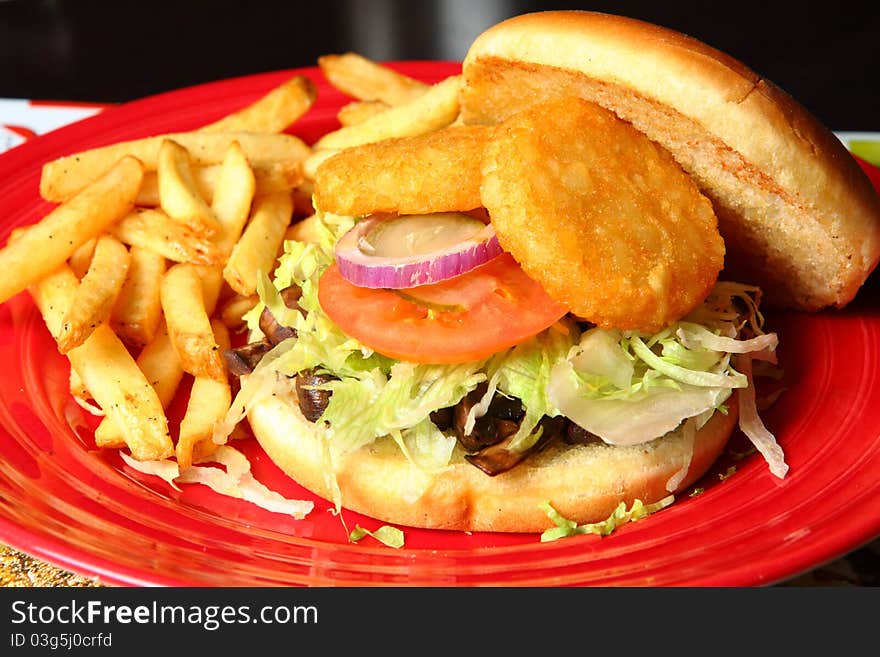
{"x":465,"y":318}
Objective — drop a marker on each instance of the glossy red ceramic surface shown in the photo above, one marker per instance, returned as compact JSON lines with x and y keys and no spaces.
{"x":84,"y":509}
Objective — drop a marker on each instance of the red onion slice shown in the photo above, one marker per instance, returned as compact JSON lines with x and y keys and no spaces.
{"x":411,"y":250}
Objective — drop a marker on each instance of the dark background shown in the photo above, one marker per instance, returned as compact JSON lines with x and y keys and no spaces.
{"x":824,"y":53}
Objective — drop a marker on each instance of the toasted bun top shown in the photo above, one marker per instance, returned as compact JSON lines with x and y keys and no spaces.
{"x":798,"y":214}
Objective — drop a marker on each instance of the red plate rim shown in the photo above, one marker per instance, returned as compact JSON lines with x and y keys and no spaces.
{"x":752,"y":530}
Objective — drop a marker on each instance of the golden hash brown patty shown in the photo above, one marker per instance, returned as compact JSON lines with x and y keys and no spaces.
{"x":600,"y":215}
{"x":435,"y":172}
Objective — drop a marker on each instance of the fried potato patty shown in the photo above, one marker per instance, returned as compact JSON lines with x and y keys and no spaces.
{"x":600,"y":215}
{"x":435,"y":172}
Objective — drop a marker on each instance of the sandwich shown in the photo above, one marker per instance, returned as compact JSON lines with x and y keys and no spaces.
{"x":553,"y":306}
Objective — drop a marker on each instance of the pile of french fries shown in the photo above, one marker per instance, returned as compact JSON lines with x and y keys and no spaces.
{"x":143,"y":270}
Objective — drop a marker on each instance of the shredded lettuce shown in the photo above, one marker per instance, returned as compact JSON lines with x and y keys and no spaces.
{"x":386,"y":534}
{"x":363,"y":408}
{"x":629,"y":388}
{"x":620,"y":516}
{"x":524,"y":373}
{"x":622,"y":386}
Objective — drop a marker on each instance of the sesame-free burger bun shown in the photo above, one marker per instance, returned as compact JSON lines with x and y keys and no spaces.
{"x":798,"y":215}
{"x":584,"y":483}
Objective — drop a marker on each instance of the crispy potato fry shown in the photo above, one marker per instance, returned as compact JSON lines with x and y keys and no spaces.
{"x":108,"y":372}
{"x":64,"y":177}
{"x":359,"y":111}
{"x":271,"y":177}
{"x":314,"y":161}
{"x":232,"y":201}
{"x":187,"y":319}
{"x":435,"y":109}
{"x":259,"y":244}
{"x":305,"y":230}
{"x":274,"y":112}
{"x":178,"y":195}
{"x":77,"y":387}
{"x":208,"y":403}
{"x":120,"y":388}
{"x":152,"y":229}
{"x":53,"y":295}
{"x":212,"y":286}
{"x":81,"y":258}
{"x":46,"y":245}
{"x":138,"y":309}
{"x":96,"y":294}
{"x":365,"y":79}
{"x":302,"y":199}
{"x":234,"y":309}
{"x":161,"y":366}
{"x":435,"y":172}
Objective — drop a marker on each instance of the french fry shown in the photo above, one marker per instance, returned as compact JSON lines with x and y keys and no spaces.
{"x":108,"y":372}
{"x":315,"y":160}
{"x":208,"y":403}
{"x":359,"y":111}
{"x":178,"y":195}
{"x":53,"y":295}
{"x":232,"y":200}
{"x":435,"y":109}
{"x":138,"y":309}
{"x":64,"y":177}
{"x":46,"y":245}
{"x":302,"y":198}
{"x":187,"y":319}
{"x":270,"y":177}
{"x":77,"y":387}
{"x":365,"y":79}
{"x":152,"y":229}
{"x":258,"y":246}
{"x":212,"y":286}
{"x":274,"y":112}
{"x":234,"y":309}
{"x":305,"y":230}
{"x":161,"y":366}
{"x":96,"y":293}
{"x":81,"y":258}
{"x":119,"y":387}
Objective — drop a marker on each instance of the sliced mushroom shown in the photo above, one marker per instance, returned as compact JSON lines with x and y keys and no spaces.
{"x":313,"y":401}
{"x":488,"y":429}
{"x":575,"y":434}
{"x":498,"y":458}
{"x":270,"y":327}
{"x":242,"y":360}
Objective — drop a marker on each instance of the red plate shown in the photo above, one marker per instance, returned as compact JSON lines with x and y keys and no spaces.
{"x":84,"y":509}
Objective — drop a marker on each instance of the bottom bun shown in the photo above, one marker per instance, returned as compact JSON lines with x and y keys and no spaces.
{"x":584,"y":483}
